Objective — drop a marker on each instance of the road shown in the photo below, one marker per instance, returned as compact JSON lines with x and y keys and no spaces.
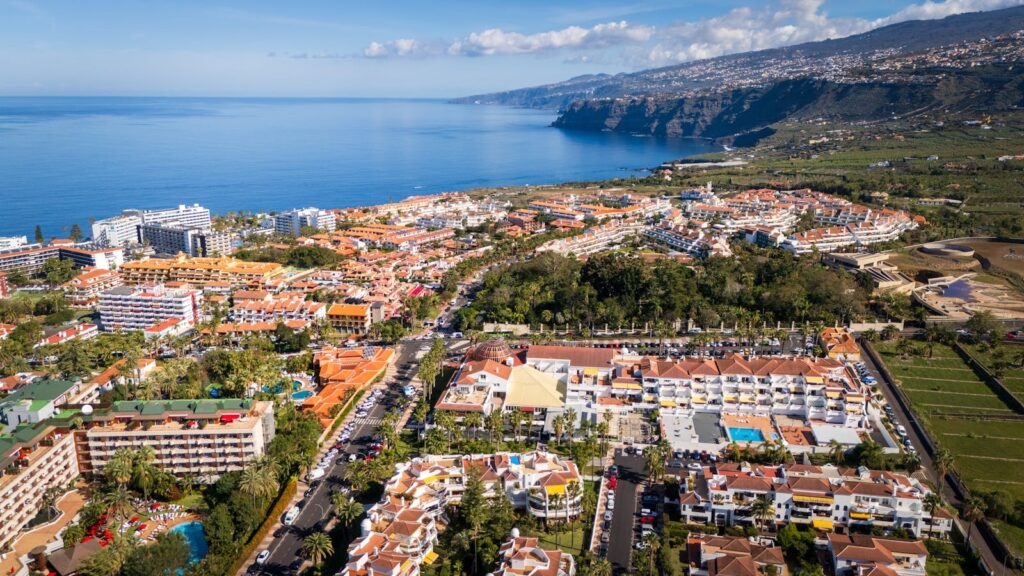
{"x":907,"y":419}
{"x":624,"y":519}
{"x":315,"y":507}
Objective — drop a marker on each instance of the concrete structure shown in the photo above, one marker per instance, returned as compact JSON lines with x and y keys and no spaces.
{"x":170,"y":238}
{"x":199,"y":271}
{"x":520,"y":556}
{"x":824,"y":497}
{"x":198,"y":438}
{"x":713,"y":555}
{"x":865,"y":555}
{"x":84,"y":290}
{"x":350,"y":318}
{"x":36,"y":401}
{"x":33,"y":460}
{"x":194,"y":216}
{"x":9,"y":242}
{"x":117,"y":230}
{"x":30,"y":258}
{"x":293,"y":221}
{"x":128,"y":308}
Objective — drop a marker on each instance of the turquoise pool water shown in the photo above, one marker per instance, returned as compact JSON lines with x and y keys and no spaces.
{"x":738,"y":434}
{"x":302,"y":394}
{"x":193,"y":533}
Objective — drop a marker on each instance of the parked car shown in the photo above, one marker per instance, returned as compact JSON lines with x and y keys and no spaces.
{"x":262,"y":557}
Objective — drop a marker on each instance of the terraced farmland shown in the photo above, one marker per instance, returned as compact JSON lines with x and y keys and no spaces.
{"x":962,"y":414}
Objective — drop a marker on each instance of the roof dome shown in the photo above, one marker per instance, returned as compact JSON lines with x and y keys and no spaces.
{"x":495,"y":349}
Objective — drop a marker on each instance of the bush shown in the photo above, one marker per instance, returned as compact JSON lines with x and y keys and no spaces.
{"x":275,"y":512}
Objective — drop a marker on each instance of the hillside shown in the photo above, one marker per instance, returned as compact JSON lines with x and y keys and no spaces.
{"x":725,"y":115}
{"x":758,"y":69}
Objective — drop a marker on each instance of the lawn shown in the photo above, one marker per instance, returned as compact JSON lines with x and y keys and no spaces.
{"x":571,"y":542}
{"x":988,"y":454}
{"x":1011,"y":534}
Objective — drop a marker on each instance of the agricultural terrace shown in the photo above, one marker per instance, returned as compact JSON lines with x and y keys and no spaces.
{"x":963,"y":414}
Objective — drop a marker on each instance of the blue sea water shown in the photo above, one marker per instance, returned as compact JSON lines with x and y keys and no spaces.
{"x":67,"y":160}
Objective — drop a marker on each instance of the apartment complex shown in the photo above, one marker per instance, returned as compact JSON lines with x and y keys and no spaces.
{"x":199,"y":438}
{"x":350,"y":318}
{"x":713,"y":555}
{"x":520,"y":556}
{"x":694,"y":242}
{"x":594,"y":240}
{"x":30,"y":258}
{"x":9,"y":242}
{"x":857,"y":554}
{"x":128,"y":308}
{"x":824,"y":497}
{"x":200,"y":271}
{"x":170,"y":238}
{"x":400,"y":531}
{"x":85,"y":289}
{"x":117,"y":230}
{"x":289,"y":306}
{"x":293,"y":221}
{"x":37,"y":401}
{"x":34,"y":458}
{"x":124,"y":228}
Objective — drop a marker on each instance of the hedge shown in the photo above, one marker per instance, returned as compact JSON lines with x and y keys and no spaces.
{"x":275,"y":512}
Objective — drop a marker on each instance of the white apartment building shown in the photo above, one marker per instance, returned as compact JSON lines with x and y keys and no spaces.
{"x":825,"y":497}
{"x":696,"y":243}
{"x":820,"y":389}
{"x":594,"y":240}
{"x":170,"y":237}
{"x":278,"y":309}
{"x":198,"y":438}
{"x":9,"y":242}
{"x":293,"y":221}
{"x":194,"y":216}
{"x":140,"y":307}
{"x":117,"y":230}
{"x":857,"y":554}
{"x":35,"y":458}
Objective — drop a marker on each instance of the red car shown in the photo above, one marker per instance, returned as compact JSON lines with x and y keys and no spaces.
{"x":647,"y":520}
{"x":612,"y":482}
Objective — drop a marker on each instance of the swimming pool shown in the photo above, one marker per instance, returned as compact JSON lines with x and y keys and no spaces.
{"x":301,"y":394}
{"x":738,"y":434}
{"x":193,"y":533}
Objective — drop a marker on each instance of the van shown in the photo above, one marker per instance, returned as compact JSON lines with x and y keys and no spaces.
{"x":291,"y":515}
{"x":315,"y":474}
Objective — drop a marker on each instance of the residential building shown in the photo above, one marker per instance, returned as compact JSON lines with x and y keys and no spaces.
{"x":36,"y":401}
{"x":342,"y":372}
{"x":9,"y":242}
{"x":278,"y":308}
{"x":839,"y":344}
{"x":128,"y":308}
{"x":824,"y":497}
{"x":713,"y":555}
{"x":84,"y":290}
{"x":30,"y":258}
{"x":202,"y":439}
{"x":117,"y":230}
{"x":34,"y":458}
{"x":866,"y":555}
{"x":82,"y":331}
{"x":194,"y":216}
{"x":520,"y":556}
{"x":170,"y":238}
{"x":696,"y":243}
{"x":199,"y":271}
{"x":594,"y":240}
{"x":350,"y":318}
{"x":293,"y":221}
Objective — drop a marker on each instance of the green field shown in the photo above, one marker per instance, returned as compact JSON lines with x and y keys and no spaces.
{"x":988,"y":454}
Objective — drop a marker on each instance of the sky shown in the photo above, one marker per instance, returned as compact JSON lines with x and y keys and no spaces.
{"x":407,"y":48}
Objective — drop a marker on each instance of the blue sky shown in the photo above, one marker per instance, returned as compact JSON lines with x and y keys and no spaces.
{"x":434,"y":48}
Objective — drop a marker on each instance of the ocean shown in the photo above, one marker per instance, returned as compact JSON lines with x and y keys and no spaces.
{"x":71,"y":160}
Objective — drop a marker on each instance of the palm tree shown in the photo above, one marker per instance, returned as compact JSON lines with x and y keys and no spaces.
{"x":257,"y":482}
{"x":600,"y":567}
{"x":119,"y":502}
{"x":318,"y":547}
{"x":558,"y":423}
{"x":420,"y":414}
{"x":474,"y":421}
{"x":943,"y":463}
{"x":762,"y":510}
{"x":119,"y":467}
{"x":570,"y":423}
{"x":555,"y":503}
{"x":652,"y":544}
{"x":836,"y":451}
{"x":572,"y":493}
{"x":346,"y":509}
{"x":974,"y":510}
{"x":495,"y":424}
{"x":931,"y":503}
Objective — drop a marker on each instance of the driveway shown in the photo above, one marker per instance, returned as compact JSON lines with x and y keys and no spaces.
{"x":631,"y":478}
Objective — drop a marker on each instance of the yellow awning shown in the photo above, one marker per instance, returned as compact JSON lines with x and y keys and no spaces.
{"x":626,"y":386}
{"x":815,"y":379}
{"x":812,"y":499}
{"x":649,"y":397}
{"x":832,"y":394}
{"x":860,"y":515}
{"x":668,"y":403}
{"x":700,"y":399}
{"x":556,"y":489}
{"x":730,"y":398}
{"x":590,"y":371}
{"x":430,"y":557}
{"x":821,"y":524}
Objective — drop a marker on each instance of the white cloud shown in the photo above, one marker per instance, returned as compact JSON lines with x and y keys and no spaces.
{"x":778,"y":23}
{"x":496,"y":41}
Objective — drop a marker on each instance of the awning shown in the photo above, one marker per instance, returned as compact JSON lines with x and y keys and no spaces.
{"x":626,"y":386}
{"x":815,"y":379}
{"x":832,"y":394}
{"x":430,"y":557}
{"x":821,"y":524}
{"x":590,"y":371}
{"x":812,"y":499}
{"x":860,"y":515}
{"x":556,"y":489}
{"x":699,"y":399}
{"x":668,"y":403}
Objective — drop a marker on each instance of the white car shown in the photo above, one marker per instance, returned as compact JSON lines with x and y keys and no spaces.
{"x":291,"y":515}
{"x":611,"y":504}
{"x":262,"y":558}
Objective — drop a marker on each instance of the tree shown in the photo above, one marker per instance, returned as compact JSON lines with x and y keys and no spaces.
{"x":76,"y":233}
{"x":419,"y":413}
{"x":943,"y":464}
{"x":220,"y":528}
{"x":572,"y":494}
{"x":973,"y":511}
{"x":119,"y":467}
{"x":168,"y":555}
{"x":762,"y":510}
{"x":39,"y":234}
{"x":73,"y":534}
{"x":346,"y":509}
{"x":318,"y":547}
{"x":932,"y":502}
{"x":58,"y":270}
{"x":836,"y":451}
{"x":495,"y":425}
{"x":984,"y":325}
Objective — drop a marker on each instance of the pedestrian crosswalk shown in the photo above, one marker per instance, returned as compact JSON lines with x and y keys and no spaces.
{"x":371,"y":420}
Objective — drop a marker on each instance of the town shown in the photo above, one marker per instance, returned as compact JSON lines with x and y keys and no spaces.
{"x":359,"y":391}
